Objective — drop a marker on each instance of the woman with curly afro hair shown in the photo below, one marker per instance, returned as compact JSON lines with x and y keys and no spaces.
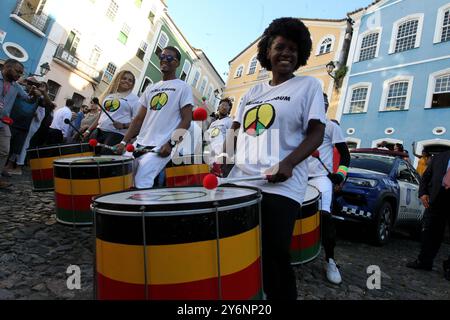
{"x":280,"y":122}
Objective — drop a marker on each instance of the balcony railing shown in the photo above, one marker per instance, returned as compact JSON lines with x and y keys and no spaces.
{"x":29,"y":14}
{"x":70,"y":59}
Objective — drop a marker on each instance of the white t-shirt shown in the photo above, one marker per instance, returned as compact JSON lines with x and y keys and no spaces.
{"x":274,"y":121}
{"x":333,"y":135}
{"x":58,"y":121}
{"x":122,"y":110}
{"x":163,"y":101}
{"x":216,"y":134}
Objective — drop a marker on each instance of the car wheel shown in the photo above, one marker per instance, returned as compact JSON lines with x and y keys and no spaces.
{"x":383,"y":225}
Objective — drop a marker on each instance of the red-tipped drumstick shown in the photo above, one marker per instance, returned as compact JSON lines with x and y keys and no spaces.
{"x":316,"y":154}
{"x":211,"y":182}
{"x":94,"y":143}
{"x":199,"y":114}
{"x":131,"y":148}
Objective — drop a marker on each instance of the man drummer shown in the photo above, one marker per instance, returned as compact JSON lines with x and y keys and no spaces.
{"x":162,"y":120}
{"x":218,"y":129}
{"x":323,"y":180}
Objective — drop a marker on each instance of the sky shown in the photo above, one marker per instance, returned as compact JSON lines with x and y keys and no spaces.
{"x":223,"y":28}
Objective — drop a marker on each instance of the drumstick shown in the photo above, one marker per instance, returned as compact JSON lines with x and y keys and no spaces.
{"x":94,"y":143}
{"x":211,"y":181}
{"x":131,"y":148}
{"x":316,"y":154}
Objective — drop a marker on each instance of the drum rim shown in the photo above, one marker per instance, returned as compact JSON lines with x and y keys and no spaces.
{"x":63,"y":162}
{"x":310,"y":201}
{"x":172,"y":207}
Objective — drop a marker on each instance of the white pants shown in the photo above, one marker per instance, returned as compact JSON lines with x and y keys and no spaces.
{"x":325,"y":186}
{"x":146,"y":168}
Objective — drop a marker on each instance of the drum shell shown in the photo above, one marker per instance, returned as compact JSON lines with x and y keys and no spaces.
{"x":306,"y":241}
{"x":77,"y":183}
{"x":181,"y":251}
{"x":186,"y":171}
{"x":41,"y":162}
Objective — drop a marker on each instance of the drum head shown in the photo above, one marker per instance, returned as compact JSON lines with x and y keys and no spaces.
{"x":312,"y":194}
{"x":175,"y":199}
{"x":91,"y":161}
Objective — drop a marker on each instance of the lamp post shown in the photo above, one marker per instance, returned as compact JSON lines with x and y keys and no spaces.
{"x":330,"y":68}
{"x":44,"y":68}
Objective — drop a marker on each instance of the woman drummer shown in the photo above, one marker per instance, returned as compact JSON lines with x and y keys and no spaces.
{"x":119,"y":106}
{"x":280,"y":122}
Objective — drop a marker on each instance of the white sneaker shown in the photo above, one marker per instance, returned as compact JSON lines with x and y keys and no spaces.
{"x":333,"y":274}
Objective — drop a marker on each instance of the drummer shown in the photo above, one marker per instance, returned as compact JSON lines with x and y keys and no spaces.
{"x":119,"y":107}
{"x":281,"y":122}
{"x":163,"y":118}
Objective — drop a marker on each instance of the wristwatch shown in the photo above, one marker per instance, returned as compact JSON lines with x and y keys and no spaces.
{"x":172,"y":143}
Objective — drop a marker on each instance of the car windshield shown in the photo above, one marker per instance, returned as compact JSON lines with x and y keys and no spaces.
{"x":372,"y":162}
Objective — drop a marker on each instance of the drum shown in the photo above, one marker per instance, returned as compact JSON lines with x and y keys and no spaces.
{"x":305,"y":245}
{"x":41,"y":162}
{"x":78,"y":180}
{"x":186,"y":171}
{"x":178,"y":244}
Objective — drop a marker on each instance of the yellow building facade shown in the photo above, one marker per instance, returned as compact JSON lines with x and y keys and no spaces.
{"x":328,"y":40}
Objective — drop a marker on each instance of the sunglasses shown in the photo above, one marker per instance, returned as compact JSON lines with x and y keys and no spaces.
{"x":167,"y":57}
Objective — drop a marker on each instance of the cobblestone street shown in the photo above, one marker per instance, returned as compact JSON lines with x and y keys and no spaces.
{"x":35,"y":252}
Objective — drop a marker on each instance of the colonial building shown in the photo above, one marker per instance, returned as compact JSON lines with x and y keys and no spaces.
{"x":398,"y":85}
{"x":331,"y":39}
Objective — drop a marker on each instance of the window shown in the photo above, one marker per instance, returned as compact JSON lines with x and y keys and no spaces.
{"x":142,"y":50}
{"x":441,"y":95}
{"x":209,"y":93}
{"x":109,"y":72}
{"x":15,"y":51}
{"x":196,"y":78}
{"x":442,"y":29}
{"x":203,"y":85}
{"x":151,"y":17}
{"x":252,"y":67}
{"x":163,"y":41}
{"x":78,"y":99}
{"x":352,"y":145}
{"x":325,"y":46}
{"x":396,"y":93}
{"x":358,"y":100}
{"x":95,"y":56}
{"x":145,"y":84}
{"x":406,"y":33}
{"x":369,"y":46}
{"x":72,"y":42}
{"x":185,"y":70}
{"x":112,"y":10}
{"x":53,"y":89}
{"x":123,"y":35}
{"x":239,"y":72}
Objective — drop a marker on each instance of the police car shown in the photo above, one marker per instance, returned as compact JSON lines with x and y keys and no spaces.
{"x":381,"y":190}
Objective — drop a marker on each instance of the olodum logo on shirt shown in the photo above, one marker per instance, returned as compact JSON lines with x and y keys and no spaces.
{"x":112,"y":105}
{"x":215,"y":132}
{"x":259,"y":119}
{"x":159,"y":101}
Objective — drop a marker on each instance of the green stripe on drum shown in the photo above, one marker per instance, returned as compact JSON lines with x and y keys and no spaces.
{"x":305,"y":255}
{"x":43,"y":185}
{"x":176,"y":229}
{"x":96,"y":172}
{"x":71,"y":216}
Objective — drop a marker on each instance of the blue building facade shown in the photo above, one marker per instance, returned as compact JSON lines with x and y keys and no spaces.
{"x":23,"y":32}
{"x":398,"y":85}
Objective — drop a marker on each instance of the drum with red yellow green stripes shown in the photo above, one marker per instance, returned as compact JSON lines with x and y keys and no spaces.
{"x":305,"y":245}
{"x":78,"y":180}
{"x":41,"y":162}
{"x":178,"y":244}
{"x":186,"y":171}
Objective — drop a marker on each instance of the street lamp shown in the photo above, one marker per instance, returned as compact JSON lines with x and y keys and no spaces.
{"x":330,"y":68}
{"x":44,"y":68}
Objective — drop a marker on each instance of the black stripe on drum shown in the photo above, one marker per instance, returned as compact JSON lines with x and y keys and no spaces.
{"x":84,"y":172}
{"x":177,"y":229}
{"x":55,"y":151}
{"x":309,"y":209}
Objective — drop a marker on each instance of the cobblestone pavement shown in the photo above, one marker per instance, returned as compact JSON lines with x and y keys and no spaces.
{"x":35,"y":252}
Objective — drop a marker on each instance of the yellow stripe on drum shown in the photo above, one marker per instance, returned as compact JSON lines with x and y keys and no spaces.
{"x":307,"y":225}
{"x":180,"y":263}
{"x":47,"y":163}
{"x":187,"y":170}
{"x":91,"y":186}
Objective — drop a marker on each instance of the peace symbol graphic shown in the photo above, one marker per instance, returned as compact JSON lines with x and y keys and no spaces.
{"x":215,"y":132}
{"x":112,"y":105}
{"x":159,"y":101}
{"x":258,"y":119}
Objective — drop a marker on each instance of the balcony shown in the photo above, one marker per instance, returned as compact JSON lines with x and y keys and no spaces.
{"x":70,"y":61}
{"x":26,"y":15}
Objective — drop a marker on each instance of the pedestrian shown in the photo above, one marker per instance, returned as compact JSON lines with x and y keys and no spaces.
{"x":9,"y":90}
{"x":163,"y":118}
{"x":60,"y":131}
{"x":120,"y":106}
{"x":280,"y":122}
{"x":434,"y":192}
{"x":424,"y":159}
{"x":323,"y":178}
